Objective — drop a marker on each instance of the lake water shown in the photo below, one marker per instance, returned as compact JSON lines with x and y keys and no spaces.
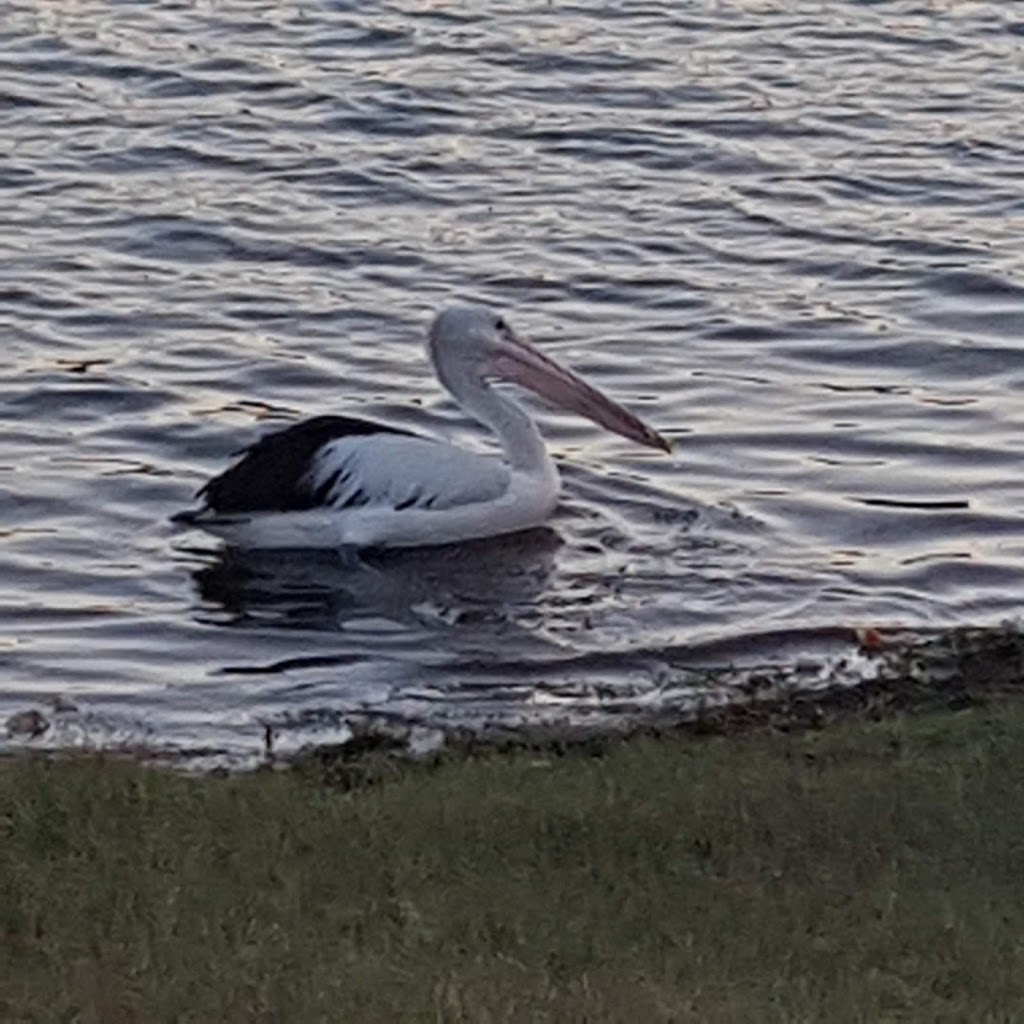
{"x":791,"y":235}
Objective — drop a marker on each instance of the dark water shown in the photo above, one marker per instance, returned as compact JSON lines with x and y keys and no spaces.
{"x":790,"y":235}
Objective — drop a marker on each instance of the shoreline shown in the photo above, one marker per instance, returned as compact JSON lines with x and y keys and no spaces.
{"x":897,"y":671}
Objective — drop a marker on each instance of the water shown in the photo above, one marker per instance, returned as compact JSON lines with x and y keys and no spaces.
{"x":789,"y":235}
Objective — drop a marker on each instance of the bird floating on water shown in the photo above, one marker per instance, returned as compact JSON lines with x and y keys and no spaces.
{"x":335,"y":481}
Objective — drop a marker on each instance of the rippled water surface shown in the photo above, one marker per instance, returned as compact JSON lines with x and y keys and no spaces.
{"x":789,"y":234}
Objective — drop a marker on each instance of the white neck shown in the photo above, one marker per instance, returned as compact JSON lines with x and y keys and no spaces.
{"x":520,"y":439}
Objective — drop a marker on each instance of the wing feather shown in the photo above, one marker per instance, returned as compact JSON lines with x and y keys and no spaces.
{"x":403,"y":472}
{"x":272,"y":475}
{"x":335,"y":462}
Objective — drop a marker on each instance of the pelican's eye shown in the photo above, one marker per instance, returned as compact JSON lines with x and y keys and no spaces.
{"x":501,"y":326}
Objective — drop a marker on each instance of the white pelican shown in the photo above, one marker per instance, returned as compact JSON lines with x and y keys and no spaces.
{"x":333,"y":481}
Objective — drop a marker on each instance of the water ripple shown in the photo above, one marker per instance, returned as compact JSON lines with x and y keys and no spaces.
{"x":789,"y":236}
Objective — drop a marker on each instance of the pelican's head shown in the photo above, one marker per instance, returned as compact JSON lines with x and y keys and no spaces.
{"x":477,"y":343}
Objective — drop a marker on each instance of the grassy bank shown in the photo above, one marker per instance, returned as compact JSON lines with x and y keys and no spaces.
{"x":866,"y":872}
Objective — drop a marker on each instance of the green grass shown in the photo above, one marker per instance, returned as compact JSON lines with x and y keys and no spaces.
{"x":871,"y":872}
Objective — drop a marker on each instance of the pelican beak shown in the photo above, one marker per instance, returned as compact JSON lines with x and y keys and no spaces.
{"x":520,"y":363}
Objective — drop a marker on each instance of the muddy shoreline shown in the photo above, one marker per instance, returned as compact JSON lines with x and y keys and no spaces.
{"x":946,"y":671}
{"x":882,"y":673}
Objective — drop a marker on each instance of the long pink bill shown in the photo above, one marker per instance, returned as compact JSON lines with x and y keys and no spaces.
{"x":520,"y":363}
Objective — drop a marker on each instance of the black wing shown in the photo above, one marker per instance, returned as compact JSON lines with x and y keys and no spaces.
{"x":272,"y":475}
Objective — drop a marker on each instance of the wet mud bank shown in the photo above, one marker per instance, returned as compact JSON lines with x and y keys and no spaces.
{"x":887,"y":673}
{"x":865,"y":673}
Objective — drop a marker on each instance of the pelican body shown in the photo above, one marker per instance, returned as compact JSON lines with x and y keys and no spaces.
{"x":335,"y":481}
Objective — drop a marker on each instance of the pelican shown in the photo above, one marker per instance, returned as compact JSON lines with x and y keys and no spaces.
{"x":335,"y":481}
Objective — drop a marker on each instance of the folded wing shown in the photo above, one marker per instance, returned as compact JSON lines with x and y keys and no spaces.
{"x":336,"y":462}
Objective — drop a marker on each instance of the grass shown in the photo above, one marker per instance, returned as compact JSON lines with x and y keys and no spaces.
{"x":870,"y":872}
